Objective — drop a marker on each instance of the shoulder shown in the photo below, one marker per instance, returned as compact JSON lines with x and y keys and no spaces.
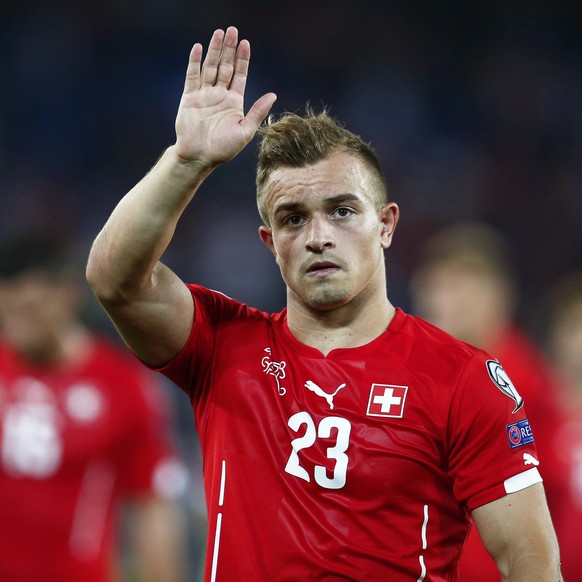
{"x":6,"y":353}
{"x":220,"y":308}
{"x":427,"y":343}
{"x":108,"y":351}
{"x":123,"y":375}
{"x":114,"y":363}
{"x":453,"y":370}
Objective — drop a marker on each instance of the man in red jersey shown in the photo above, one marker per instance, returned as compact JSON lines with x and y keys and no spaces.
{"x":464,"y":285}
{"x":82,"y":433}
{"x":342,"y":439}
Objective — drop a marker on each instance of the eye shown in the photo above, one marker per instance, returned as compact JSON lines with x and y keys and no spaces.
{"x":294,"y":220}
{"x":342,"y":212}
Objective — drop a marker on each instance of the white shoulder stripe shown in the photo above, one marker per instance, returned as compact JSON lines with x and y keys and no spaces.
{"x":522,"y":480}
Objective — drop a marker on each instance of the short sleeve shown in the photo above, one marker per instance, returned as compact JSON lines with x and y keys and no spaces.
{"x":491,"y":442}
{"x":213,"y":312}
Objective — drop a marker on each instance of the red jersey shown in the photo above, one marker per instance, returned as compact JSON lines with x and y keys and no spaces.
{"x":360,"y":465}
{"x":74,"y":439}
{"x":539,"y":386}
{"x":568,"y":514}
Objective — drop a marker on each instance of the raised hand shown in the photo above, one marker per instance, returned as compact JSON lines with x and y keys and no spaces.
{"x":211,"y":127}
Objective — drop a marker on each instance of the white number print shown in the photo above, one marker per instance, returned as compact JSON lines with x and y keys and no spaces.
{"x":31,"y":443}
{"x":336,"y":452}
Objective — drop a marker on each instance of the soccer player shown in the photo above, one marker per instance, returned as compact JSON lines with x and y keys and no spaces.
{"x":83,"y":435}
{"x":464,"y":284}
{"x":342,"y":438}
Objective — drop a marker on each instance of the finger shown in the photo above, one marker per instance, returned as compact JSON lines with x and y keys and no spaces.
{"x":210,"y":66}
{"x":226,"y":64}
{"x":241,"y":67}
{"x":192,"y":81}
{"x":258,"y":112}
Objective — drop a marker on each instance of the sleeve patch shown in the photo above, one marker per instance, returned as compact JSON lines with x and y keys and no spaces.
{"x":500,"y":378}
{"x":519,"y":433}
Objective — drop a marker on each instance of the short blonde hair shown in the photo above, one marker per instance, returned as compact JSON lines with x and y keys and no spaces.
{"x":297,"y":141}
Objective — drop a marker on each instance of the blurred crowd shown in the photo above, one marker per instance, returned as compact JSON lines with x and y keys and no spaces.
{"x":473,"y":110}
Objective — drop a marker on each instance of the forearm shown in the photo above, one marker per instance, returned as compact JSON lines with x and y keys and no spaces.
{"x":210,"y":126}
{"x":533,"y":567}
{"x":535,"y":559}
{"x":128,"y":248}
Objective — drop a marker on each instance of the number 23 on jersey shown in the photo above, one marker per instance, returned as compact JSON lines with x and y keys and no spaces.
{"x":336,"y":453}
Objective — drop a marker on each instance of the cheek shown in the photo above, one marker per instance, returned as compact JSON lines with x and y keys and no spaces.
{"x":285,"y":247}
{"x":366,"y":242}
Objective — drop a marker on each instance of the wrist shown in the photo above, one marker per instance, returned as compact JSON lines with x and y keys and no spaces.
{"x":193,"y":170}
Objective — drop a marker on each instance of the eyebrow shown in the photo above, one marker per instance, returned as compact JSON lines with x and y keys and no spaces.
{"x":337,"y":199}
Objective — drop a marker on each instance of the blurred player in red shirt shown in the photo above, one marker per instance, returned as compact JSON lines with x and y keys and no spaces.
{"x":564,"y":343}
{"x":83,"y":433}
{"x":464,"y":285}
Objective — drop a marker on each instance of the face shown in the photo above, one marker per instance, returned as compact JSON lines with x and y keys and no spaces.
{"x":566,"y":339}
{"x":460,"y":300}
{"x":328,"y":232}
{"x":33,"y":311}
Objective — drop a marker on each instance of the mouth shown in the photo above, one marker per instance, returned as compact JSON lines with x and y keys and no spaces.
{"x":322,"y":268}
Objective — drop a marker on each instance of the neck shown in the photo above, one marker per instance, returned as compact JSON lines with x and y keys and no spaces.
{"x":483,"y":330}
{"x":68,"y":347}
{"x":348,"y":326}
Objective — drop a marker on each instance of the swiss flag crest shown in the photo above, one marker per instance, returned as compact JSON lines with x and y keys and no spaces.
{"x":387,"y":400}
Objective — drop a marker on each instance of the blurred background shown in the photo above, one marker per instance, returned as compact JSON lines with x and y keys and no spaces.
{"x":473,"y":109}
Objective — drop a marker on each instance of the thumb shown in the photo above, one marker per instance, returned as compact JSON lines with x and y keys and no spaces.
{"x":258,"y":112}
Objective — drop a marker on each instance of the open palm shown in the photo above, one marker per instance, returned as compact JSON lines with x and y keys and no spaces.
{"x":211,"y":126}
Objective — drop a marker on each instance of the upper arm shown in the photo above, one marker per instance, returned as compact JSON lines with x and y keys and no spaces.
{"x":518,"y":533}
{"x":156,"y":322}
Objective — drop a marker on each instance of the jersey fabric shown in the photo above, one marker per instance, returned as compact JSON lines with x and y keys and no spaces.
{"x":361,"y":465}
{"x":568,"y":513}
{"x":540,"y":387}
{"x":74,"y":440}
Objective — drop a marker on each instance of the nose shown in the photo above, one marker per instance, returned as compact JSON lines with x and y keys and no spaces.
{"x":319,"y":235}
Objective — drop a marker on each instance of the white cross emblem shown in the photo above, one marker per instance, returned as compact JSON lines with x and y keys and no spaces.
{"x":387,"y":400}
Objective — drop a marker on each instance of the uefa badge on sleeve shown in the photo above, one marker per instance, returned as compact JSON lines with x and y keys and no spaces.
{"x":519,"y":433}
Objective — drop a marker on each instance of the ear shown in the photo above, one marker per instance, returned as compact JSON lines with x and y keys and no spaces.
{"x":389,"y":215}
{"x":266,"y":235}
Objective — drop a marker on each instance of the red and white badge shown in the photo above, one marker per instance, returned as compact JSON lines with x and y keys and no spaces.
{"x":387,"y":400}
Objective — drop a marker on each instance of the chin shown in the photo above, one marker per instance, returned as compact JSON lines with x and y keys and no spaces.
{"x":327,"y":299}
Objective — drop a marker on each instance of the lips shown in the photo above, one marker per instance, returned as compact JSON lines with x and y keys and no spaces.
{"x":322,"y":267}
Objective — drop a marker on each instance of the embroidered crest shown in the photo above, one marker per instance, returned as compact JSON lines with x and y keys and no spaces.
{"x":276,"y":369}
{"x":500,"y":378}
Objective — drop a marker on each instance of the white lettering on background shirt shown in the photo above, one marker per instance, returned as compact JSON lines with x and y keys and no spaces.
{"x":31,"y":438}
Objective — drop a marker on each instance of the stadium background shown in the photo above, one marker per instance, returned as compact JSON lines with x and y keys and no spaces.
{"x":473,"y":108}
